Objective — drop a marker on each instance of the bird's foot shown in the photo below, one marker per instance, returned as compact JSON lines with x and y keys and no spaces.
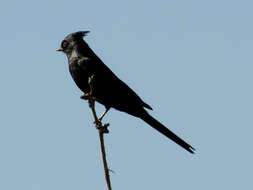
{"x":100,"y":127}
{"x":98,"y":123}
{"x":85,"y":96}
{"x":103,"y":128}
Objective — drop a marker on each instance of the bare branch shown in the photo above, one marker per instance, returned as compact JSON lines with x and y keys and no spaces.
{"x":101,"y":128}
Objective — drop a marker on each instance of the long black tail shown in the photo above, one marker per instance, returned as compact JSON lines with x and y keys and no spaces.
{"x":165,"y":131}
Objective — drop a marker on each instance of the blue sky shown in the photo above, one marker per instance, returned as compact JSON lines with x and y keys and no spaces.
{"x":190,"y":60}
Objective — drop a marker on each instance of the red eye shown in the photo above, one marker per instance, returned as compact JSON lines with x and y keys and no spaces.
{"x":64,"y":44}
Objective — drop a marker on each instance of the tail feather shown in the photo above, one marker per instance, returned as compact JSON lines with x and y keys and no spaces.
{"x":165,"y":131}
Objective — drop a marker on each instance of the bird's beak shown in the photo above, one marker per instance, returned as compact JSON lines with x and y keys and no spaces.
{"x":59,"y":49}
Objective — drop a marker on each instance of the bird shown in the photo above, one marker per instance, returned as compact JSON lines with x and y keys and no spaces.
{"x":109,"y":90}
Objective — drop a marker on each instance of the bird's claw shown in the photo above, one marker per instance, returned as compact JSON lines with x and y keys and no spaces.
{"x":97,"y":123}
{"x":88,"y":97}
{"x":85,"y":96}
{"x":102,"y":128}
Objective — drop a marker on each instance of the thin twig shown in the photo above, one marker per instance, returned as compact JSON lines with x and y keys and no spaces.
{"x":101,"y":128}
{"x":102,"y":145}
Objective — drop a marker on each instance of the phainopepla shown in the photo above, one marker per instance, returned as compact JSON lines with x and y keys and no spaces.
{"x":109,"y":90}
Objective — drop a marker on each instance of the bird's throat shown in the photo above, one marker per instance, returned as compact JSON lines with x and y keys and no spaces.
{"x":73,"y":55}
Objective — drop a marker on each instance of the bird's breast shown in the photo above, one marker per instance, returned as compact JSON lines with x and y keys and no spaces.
{"x":79,"y":75}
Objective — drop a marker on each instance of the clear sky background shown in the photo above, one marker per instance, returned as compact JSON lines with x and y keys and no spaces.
{"x":190,"y":60}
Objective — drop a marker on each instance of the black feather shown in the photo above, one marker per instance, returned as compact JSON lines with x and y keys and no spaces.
{"x":109,"y":90}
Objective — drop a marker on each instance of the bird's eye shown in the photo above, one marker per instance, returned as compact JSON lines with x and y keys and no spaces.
{"x":64,"y":44}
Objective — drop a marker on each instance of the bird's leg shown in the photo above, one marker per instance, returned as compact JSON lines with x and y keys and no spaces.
{"x":89,"y":96}
{"x":99,"y":120}
{"x":104,"y":128}
{"x":103,"y":114}
{"x":91,"y":101}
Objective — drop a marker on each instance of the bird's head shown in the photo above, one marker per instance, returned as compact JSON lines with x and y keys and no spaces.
{"x":72,"y":41}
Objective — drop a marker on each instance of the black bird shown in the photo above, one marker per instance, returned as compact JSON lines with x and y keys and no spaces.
{"x":109,"y":90}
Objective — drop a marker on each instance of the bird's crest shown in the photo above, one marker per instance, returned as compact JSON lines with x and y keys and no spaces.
{"x":81,"y":33}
